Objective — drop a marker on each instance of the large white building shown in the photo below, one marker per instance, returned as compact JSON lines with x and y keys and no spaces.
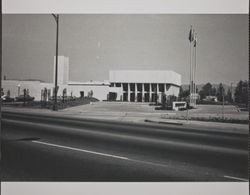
{"x":130,"y":85}
{"x":143,"y":85}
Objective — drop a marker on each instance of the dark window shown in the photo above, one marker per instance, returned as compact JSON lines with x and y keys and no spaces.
{"x":125,"y":86}
{"x":161,"y":87}
{"x":146,"y":87}
{"x":132,"y":87}
{"x":154,"y":88}
{"x":139,"y":87}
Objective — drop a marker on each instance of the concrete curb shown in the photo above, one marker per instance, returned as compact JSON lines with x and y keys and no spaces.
{"x":163,"y":122}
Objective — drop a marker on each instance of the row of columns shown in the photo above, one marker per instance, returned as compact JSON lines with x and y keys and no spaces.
{"x":143,"y":92}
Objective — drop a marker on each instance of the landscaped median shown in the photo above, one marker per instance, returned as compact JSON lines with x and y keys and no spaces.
{"x":172,"y":122}
{"x":209,"y":119}
{"x":61,"y":103}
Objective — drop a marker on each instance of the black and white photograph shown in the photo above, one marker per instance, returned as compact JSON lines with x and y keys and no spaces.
{"x":124,"y":98}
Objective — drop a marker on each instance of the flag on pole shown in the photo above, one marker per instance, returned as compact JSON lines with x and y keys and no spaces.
{"x":191,"y":35}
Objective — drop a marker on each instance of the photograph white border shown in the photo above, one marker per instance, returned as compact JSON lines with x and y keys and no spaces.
{"x":125,"y":7}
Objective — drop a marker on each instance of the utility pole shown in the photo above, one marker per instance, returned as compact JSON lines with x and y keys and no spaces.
{"x":232,"y":92}
{"x":56,"y":17}
{"x":223,"y":107}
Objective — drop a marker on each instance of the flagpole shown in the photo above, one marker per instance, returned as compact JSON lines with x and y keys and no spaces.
{"x":195,"y":66}
{"x":193,"y":73}
{"x":190,"y":89}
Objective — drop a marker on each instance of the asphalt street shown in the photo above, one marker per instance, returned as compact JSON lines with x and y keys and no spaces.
{"x":40,"y":147}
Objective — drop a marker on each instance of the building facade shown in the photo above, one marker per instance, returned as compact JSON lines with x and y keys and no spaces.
{"x":131,"y":86}
{"x":143,"y":85}
{"x":15,"y":88}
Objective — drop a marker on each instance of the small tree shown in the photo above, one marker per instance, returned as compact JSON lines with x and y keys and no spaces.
{"x":164,"y":100}
{"x":213,"y":91}
{"x":49,"y":93}
{"x":2,"y":92}
{"x":228,"y":96}
{"x":90,"y":93}
{"x":171,"y":99}
{"x":206,"y":91}
{"x":45,"y":94}
{"x":24,"y":96}
{"x":183,"y":94}
{"x":241,"y":92}
{"x":64,"y":93}
{"x":220,"y":92}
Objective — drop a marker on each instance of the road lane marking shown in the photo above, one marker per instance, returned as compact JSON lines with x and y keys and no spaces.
{"x":235,"y":178}
{"x":120,"y":157}
{"x":81,"y":150}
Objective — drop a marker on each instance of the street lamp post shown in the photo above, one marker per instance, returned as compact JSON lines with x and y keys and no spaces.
{"x":231,"y":92}
{"x":18,"y":89}
{"x":56,"y":17}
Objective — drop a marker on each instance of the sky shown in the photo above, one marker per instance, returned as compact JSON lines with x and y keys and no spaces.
{"x":97,"y":43}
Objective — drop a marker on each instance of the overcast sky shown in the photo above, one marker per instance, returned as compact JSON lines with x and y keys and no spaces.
{"x":96,"y":44}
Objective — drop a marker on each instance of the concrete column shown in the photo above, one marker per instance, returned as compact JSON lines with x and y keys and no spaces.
{"x":157,"y":91}
{"x":150,"y":92}
{"x":143,"y":96}
{"x":128,"y":92}
{"x":122,"y":86}
{"x":135,"y":92}
{"x":166,"y":89}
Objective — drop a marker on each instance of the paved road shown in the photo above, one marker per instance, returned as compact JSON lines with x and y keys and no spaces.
{"x":38,"y":147}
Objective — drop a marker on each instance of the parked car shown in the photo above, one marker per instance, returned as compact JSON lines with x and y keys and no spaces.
{"x":27,"y":98}
{"x":6,"y":98}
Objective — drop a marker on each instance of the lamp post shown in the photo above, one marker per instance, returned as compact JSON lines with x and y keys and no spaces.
{"x":56,"y":17}
{"x":232,"y":93}
{"x":191,"y":38}
{"x":18,"y":89}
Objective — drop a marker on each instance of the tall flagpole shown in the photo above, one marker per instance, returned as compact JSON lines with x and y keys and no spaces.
{"x":56,"y":17}
{"x":190,"y":89}
{"x":193,"y":61}
{"x":195,"y":66}
{"x":193,"y":72}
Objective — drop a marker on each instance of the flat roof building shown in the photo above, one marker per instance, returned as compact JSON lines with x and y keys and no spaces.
{"x":123,"y":85}
{"x":143,"y":85}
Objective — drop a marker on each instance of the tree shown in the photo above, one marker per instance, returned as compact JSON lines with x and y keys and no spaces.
{"x":206,"y":91}
{"x":90,"y":93}
{"x":164,"y":100}
{"x":64,"y":93}
{"x":183,"y":94}
{"x":241,"y":92}
{"x":2,"y":93}
{"x":228,"y":96}
{"x":220,"y":92}
{"x":213,"y":91}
